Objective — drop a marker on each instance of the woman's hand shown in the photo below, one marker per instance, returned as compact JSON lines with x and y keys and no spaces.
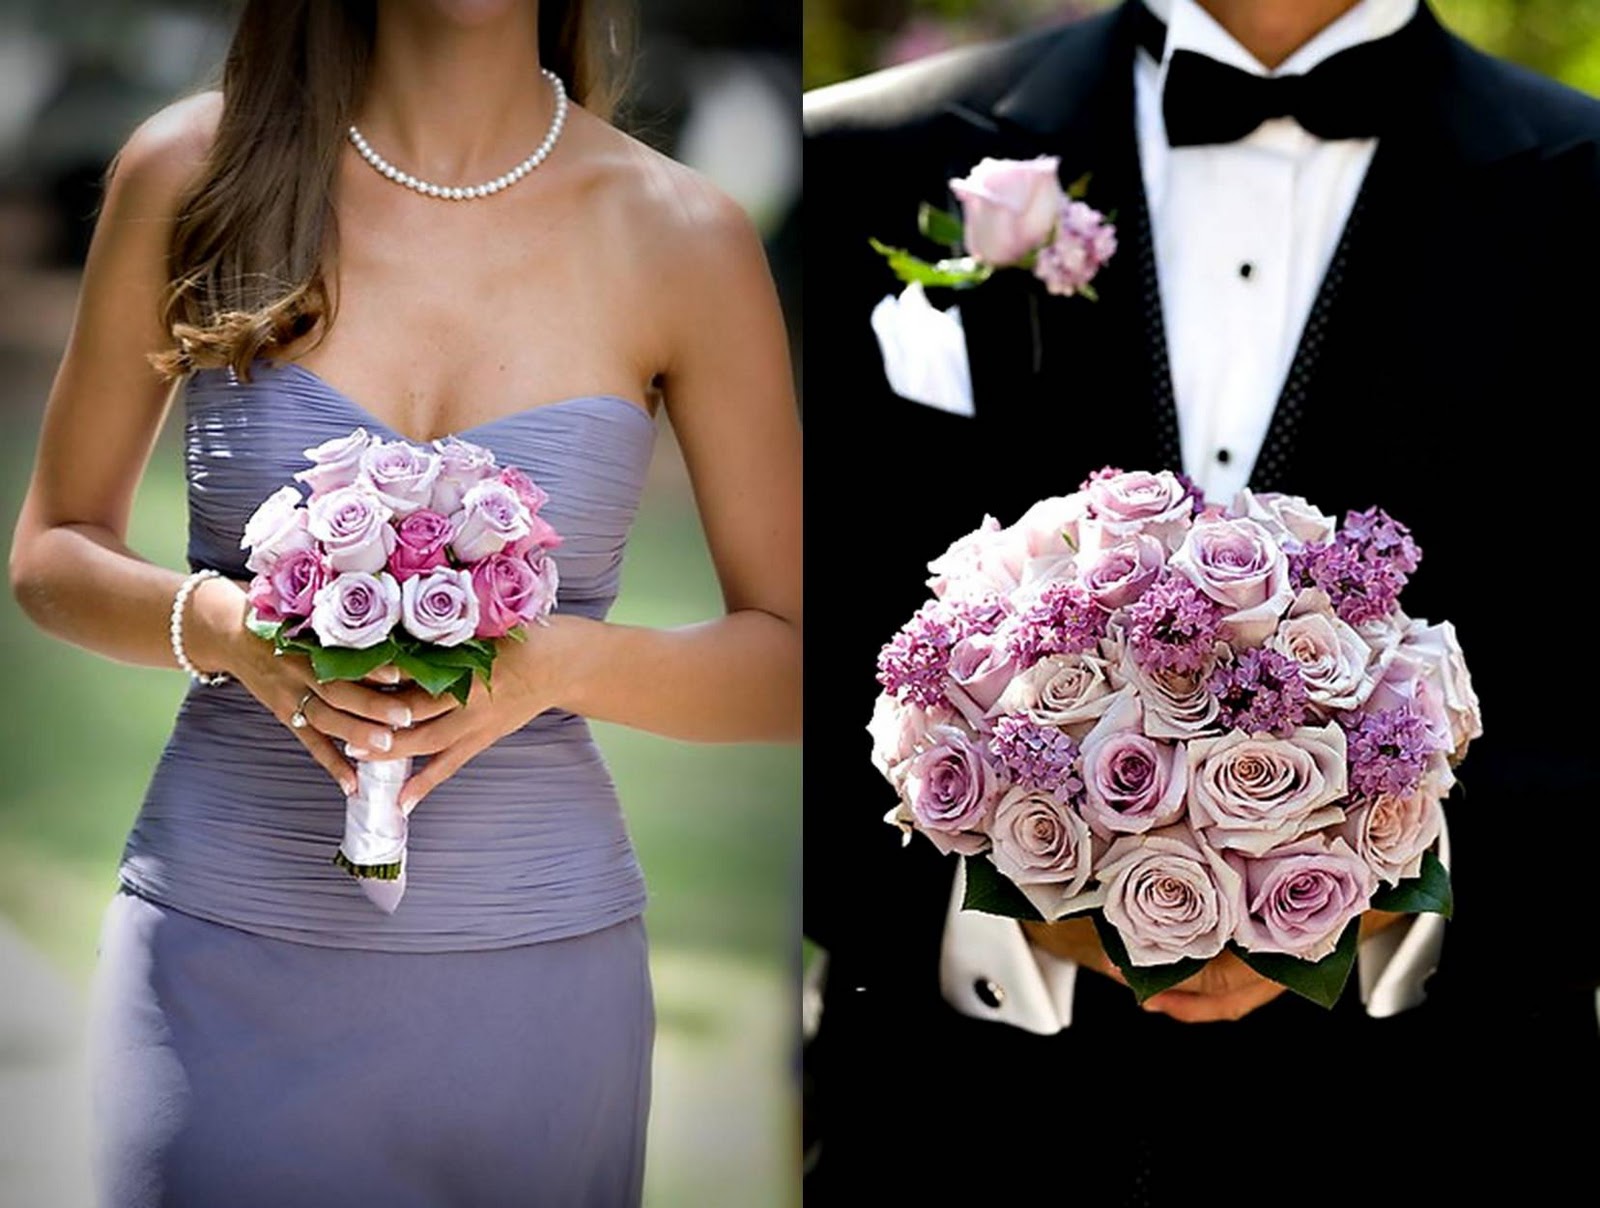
{"x":526,"y":683}
{"x":363,"y":716}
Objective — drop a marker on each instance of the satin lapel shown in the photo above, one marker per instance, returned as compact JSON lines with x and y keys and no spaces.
{"x":1085,"y":382}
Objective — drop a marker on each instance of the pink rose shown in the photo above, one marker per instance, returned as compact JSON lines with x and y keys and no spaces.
{"x":1121,"y":506}
{"x":419,"y":544}
{"x":400,"y":474}
{"x":462,"y":465}
{"x":276,"y":528}
{"x":1409,"y":682}
{"x":1436,"y":650}
{"x":356,"y":609}
{"x":1132,"y":783}
{"x":1255,"y":792}
{"x":1285,"y":517}
{"x":1177,"y":704}
{"x":987,"y":560}
{"x":950,"y":788}
{"x":353,"y":525}
{"x":541,"y":536}
{"x":511,"y":591}
{"x":1009,"y":207}
{"x":1169,"y":896}
{"x":337,"y":462}
{"x":289,"y":589}
{"x":1333,"y":657}
{"x":1064,"y":690}
{"x":439,"y":606}
{"x":1121,"y":572}
{"x":1299,"y":899}
{"x":491,"y":518}
{"x":1240,"y":566}
{"x":980,"y":669}
{"x":1393,"y":833}
{"x":1042,"y":846}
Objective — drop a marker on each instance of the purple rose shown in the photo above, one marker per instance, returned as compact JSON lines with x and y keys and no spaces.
{"x":1121,"y":572}
{"x":1068,"y":690}
{"x":462,"y":465}
{"x":419,"y":544}
{"x":1177,"y":703}
{"x":1132,"y":783}
{"x":337,"y":462}
{"x":950,"y":788}
{"x":1285,"y":517}
{"x":400,"y":474}
{"x":981,"y":665}
{"x":1009,"y":207}
{"x":1240,"y":566}
{"x":276,"y":528}
{"x":512,"y":590}
{"x":899,"y":731}
{"x":1169,"y":896}
{"x":289,"y":589}
{"x":353,"y":525}
{"x":1436,"y":651}
{"x":1333,"y":657}
{"x":356,"y":609}
{"x":491,"y":518}
{"x":1122,"y":506}
{"x":1043,"y":846}
{"x":1255,"y":792}
{"x":1299,"y":899}
{"x":439,"y":606}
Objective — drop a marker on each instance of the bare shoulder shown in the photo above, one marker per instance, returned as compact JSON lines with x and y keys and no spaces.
{"x":167,"y":149}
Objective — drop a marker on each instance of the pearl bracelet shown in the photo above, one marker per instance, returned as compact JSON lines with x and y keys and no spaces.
{"x":178,"y":601}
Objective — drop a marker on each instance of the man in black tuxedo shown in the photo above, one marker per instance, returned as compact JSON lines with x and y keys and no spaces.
{"x":1421,"y":337}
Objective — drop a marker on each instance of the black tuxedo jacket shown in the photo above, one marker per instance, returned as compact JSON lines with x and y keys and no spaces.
{"x":1446,"y":374}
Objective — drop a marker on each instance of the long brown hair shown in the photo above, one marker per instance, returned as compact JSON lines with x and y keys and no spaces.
{"x":245,"y":264}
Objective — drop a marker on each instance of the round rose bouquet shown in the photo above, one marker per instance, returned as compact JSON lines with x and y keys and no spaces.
{"x":419,"y":557}
{"x":1210,"y":727}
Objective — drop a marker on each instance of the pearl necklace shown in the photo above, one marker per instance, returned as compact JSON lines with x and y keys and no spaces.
{"x":468,"y":192}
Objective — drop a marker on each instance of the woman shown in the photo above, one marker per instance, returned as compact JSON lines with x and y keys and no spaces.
{"x":261,"y":1034}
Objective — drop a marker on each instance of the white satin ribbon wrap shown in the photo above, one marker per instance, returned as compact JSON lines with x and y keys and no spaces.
{"x":375,"y":827}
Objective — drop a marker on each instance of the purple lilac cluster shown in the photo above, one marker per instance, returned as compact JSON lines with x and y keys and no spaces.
{"x":1364,"y":568}
{"x":1064,"y":619}
{"x":1389,"y":751}
{"x":1083,"y":242}
{"x":913,"y":666}
{"x":1035,"y":756}
{"x":1261,"y":692}
{"x":1173,"y":626}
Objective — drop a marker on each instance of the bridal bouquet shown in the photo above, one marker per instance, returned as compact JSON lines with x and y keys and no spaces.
{"x":1210,"y":727}
{"x":419,"y":557}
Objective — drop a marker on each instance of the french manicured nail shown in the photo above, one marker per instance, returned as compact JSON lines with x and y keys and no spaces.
{"x":407,"y":804}
{"x":400,"y":717}
{"x":349,"y":787}
{"x":382,"y":739}
{"x":355,"y":752}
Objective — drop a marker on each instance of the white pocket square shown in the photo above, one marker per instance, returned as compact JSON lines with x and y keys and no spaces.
{"x":924,"y":351}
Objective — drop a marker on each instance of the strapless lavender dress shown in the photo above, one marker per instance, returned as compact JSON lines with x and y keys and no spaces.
{"x":260,"y":1033}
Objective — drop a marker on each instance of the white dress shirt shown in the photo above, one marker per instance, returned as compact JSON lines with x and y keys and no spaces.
{"x":1243,"y":235}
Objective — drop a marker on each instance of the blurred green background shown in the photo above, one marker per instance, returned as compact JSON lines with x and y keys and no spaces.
{"x":845,"y":38}
{"x":717,"y":828}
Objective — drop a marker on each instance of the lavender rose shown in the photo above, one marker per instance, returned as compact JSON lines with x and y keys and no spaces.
{"x":1438,"y":652}
{"x":276,"y":528}
{"x":1121,"y":572}
{"x":1043,"y":846}
{"x":950,"y":788}
{"x":1286,"y":517}
{"x":1393,"y":833}
{"x":1240,"y":566}
{"x":419,"y":544}
{"x":1122,"y":506}
{"x":1061,"y":690}
{"x":462,"y":465}
{"x":1009,"y":207}
{"x":400,"y":474}
{"x":511,"y":591}
{"x":1300,"y":898}
{"x":356,"y":609}
{"x":899,"y":731}
{"x":1177,"y":704}
{"x":981,"y":665}
{"x":1132,"y":783}
{"x":440,"y":606}
{"x":1255,"y":793}
{"x":491,"y":518}
{"x":1169,"y":896}
{"x":289,"y":589}
{"x":353,"y":525}
{"x":337,"y":462}
{"x":1333,"y":657}
{"x":987,"y":560}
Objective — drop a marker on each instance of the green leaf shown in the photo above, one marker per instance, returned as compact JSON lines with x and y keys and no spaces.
{"x":1079,"y":189}
{"x":1426,"y":893}
{"x":956,"y":274}
{"x":1320,"y":981}
{"x":461,"y":688}
{"x":940,"y":226}
{"x":266,"y":630}
{"x":990,"y":891}
{"x":433,"y":678}
{"x":1089,"y":292}
{"x":1145,"y":981}
{"x":343,"y":663}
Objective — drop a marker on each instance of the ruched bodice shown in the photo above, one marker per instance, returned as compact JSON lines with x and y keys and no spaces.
{"x":526,"y":842}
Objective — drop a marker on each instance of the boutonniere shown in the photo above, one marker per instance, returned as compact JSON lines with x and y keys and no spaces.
{"x":1014,"y":214}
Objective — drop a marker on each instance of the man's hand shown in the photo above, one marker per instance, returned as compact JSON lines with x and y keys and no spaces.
{"x":1226,"y":988}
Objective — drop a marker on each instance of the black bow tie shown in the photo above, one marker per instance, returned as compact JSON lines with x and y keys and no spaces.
{"x":1353,"y":94}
